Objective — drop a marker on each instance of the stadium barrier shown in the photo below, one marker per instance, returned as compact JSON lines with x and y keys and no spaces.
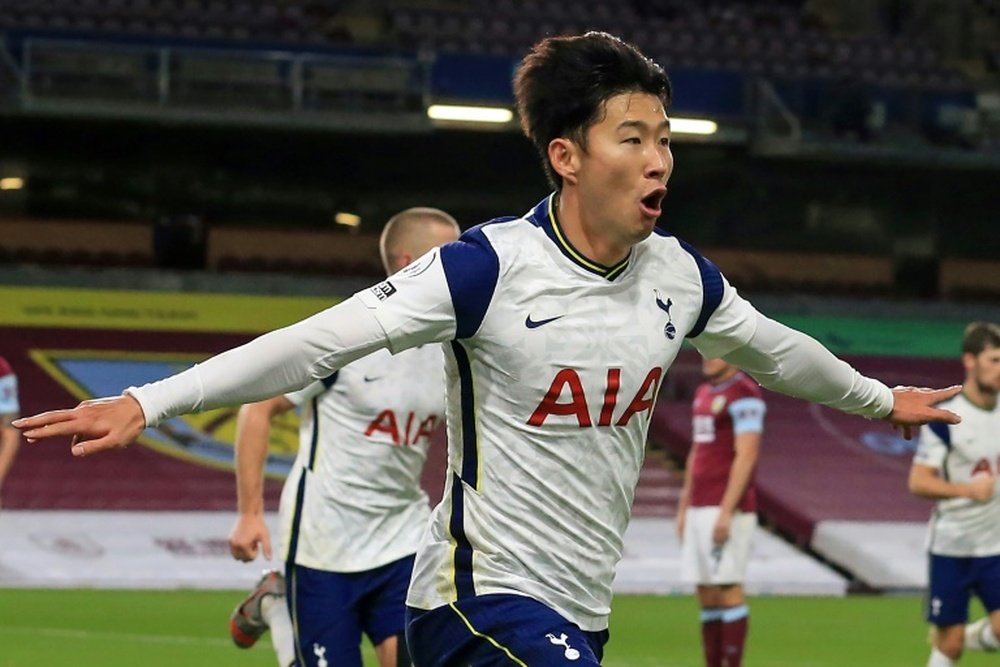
{"x":786,"y":270}
{"x":332,"y":252}
{"x":76,"y":242}
{"x":233,"y":248}
{"x":169,"y":550}
{"x":961,"y":278}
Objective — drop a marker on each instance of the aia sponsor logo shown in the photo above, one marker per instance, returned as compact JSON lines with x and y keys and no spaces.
{"x":403,"y":432}
{"x":566,"y":397}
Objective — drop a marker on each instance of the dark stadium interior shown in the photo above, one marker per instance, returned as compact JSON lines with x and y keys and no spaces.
{"x":845,"y":128}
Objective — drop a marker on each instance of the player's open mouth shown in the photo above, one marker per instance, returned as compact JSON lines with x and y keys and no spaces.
{"x":650,"y":204}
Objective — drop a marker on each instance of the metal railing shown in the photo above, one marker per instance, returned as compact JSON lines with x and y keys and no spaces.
{"x":775,"y":128}
{"x":383,"y":92}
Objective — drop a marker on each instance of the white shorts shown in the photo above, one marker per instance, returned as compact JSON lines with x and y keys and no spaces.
{"x":701,"y":562}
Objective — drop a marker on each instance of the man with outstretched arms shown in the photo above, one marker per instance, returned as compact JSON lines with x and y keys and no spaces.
{"x":352,"y":509}
{"x":717,"y":512}
{"x":957,"y":465}
{"x":559,"y":326}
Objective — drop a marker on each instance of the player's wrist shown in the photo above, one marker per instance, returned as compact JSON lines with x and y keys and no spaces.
{"x":967,"y":490}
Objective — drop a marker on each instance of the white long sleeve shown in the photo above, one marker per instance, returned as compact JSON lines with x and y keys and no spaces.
{"x":277,"y":362}
{"x":790,"y":362}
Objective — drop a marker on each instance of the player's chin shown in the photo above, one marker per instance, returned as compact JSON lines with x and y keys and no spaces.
{"x":644,"y":228}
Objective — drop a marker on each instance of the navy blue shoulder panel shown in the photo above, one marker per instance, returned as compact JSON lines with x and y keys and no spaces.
{"x":711,"y":285}
{"x":472,"y":269}
{"x":329,"y":380}
{"x":941,"y":430}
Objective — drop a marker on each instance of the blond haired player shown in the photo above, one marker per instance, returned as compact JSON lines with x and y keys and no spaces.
{"x":352,"y":510}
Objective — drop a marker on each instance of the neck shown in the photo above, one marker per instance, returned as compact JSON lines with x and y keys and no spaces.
{"x":718,"y":379}
{"x":584,"y":234}
{"x":986,"y":400}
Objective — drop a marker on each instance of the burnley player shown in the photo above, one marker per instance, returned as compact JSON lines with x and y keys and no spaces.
{"x":560,"y":325}
{"x":958,"y":465}
{"x":10,"y":438}
{"x":352,"y":510}
{"x":717,"y":513}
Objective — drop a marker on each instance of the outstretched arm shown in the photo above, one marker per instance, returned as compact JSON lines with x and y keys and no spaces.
{"x":273,"y":364}
{"x":253,"y":430}
{"x":790,"y":362}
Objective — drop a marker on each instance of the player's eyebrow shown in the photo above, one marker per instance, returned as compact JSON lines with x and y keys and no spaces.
{"x":642,"y":125}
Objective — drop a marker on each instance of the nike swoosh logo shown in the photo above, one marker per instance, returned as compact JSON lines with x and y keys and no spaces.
{"x":368,"y":379}
{"x":534,"y":324}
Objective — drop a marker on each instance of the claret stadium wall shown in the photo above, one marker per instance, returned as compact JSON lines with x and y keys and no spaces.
{"x":157,"y":514}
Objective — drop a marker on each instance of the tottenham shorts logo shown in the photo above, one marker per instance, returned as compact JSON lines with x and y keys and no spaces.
{"x":384,"y":290}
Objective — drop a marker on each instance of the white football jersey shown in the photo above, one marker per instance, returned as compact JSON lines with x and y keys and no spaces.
{"x":353,"y":500}
{"x":553,"y":366}
{"x":962,"y":526}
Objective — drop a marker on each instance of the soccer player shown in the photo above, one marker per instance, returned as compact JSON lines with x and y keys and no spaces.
{"x":560,"y":325}
{"x":10,"y":437}
{"x":716,"y":516}
{"x":957,"y":465}
{"x":352,"y":509}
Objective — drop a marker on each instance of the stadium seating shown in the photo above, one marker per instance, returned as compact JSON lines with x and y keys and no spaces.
{"x":779,"y":39}
{"x":76,"y":243}
{"x":335,"y":253}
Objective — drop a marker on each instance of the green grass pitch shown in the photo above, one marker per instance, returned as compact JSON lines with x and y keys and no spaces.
{"x":89,"y":628}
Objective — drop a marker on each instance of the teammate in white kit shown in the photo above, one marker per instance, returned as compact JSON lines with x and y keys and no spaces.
{"x":957,"y":465}
{"x":717,"y":512}
{"x":352,"y":509}
{"x":560,"y":325}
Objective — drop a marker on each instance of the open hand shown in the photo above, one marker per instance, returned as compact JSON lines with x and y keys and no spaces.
{"x":914,"y":406}
{"x":94,"y":426}
{"x":720,"y":532}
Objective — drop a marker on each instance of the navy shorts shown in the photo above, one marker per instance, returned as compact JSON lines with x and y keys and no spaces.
{"x":330,"y":610}
{"x":954,"y":579}
{"x":506,"y":630}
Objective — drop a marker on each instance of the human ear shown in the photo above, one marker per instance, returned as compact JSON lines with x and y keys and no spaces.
{"x":564,"y":158}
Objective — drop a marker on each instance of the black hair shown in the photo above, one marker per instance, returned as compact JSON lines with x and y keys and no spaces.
{"x":562,"y":84}
{"x":979,"y":336}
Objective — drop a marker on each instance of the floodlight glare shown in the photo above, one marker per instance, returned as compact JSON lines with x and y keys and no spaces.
{"x":469,"y":114}
{"x":680,"y":125}
{"x":348,"y":219}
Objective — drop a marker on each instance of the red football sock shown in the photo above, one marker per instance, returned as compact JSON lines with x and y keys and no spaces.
{"x":711,"y":636}
{"x":733,"y":638}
